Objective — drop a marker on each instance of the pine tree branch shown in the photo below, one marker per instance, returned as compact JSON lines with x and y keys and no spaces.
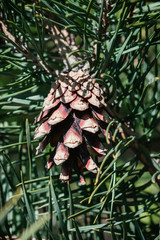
{"x":137,"y":145}
{"x":63,"y":46}
{"x":25,"y":51}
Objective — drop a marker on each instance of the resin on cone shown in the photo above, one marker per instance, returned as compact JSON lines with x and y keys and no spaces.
{"x":72,"y":117}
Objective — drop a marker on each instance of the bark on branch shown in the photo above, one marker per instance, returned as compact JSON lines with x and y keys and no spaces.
{"x":25,"y":51}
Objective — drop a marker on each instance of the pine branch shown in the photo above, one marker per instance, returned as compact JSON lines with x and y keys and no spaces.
{"x":137,"y":145}
{"x":24,"y":50}
{"x":63,"y":43}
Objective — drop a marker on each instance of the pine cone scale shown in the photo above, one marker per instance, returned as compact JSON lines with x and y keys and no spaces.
{"x":79,"y":104}
{"x":43,"y":129}
{"x":86,"y":159}
{"x":73,"y":136}
{"x":59,"y":115}
{"x":62,"y":154}
{"x":51,"y":105}
{"x":68,"y":97}
{"x":87,"y":123}
{"x":94,"y":101}
{"x":60,"y":91}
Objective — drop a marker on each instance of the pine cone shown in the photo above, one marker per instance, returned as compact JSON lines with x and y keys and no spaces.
{"x":72,"y":117}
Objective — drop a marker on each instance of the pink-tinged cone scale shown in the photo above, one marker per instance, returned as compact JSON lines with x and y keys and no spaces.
{"x":42,"y":130}
{"x":72,"y":117}
{"x":42,"y":145}
{"x":66,"y":171}
{"x":79,"y":104}
{"x":86,"y":159}
{"x":94,"y":101}
{"x":59,"y":92}
{"x":73,"y":137}
{"x":101,"y":115}
{"x":61,"y":154}
{"x":51,"y":105}
{"x":68,"y":97}
{"x":59,"y":115}
{"x":87,"y":123}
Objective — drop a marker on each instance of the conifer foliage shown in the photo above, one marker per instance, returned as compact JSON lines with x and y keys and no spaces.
{"x":79,"y":93}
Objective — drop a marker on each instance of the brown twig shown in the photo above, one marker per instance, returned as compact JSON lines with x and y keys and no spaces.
{"x":21,"y":48}
{"x":63,"y":46}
